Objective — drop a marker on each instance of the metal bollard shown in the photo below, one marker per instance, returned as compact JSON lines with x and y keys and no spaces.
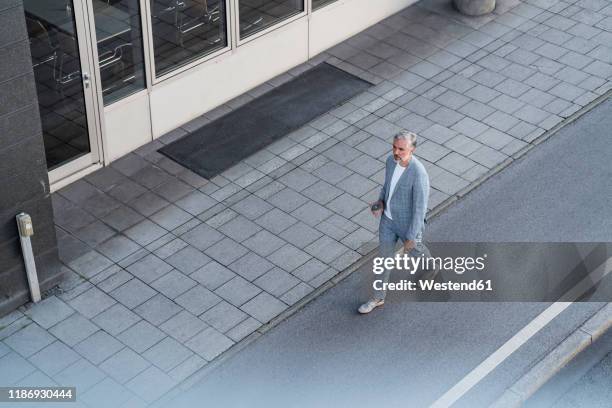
{"x":26,"y":230}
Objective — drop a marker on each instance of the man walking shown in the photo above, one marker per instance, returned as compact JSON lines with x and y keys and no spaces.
{"x":401,"y":206}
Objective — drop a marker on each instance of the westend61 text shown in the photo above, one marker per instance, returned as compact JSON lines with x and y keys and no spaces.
{"x":413,"y":263}
{"x":430,"y":285}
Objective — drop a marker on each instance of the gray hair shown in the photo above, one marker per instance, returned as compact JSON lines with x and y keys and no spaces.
{"x":407,"y":135}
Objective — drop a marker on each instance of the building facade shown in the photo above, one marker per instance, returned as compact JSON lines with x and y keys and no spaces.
{"x":86,"y":82}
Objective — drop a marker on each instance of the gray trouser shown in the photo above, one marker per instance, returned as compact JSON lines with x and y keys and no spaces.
{"x":388,"y":236}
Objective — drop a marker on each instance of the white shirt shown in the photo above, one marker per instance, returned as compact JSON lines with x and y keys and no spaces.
{"x":397,"y":173}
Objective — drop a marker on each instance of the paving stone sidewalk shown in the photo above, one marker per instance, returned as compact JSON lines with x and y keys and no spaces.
{"x":167,"y":270}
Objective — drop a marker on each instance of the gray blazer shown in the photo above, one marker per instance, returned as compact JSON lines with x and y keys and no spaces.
{"x":409,"y":201}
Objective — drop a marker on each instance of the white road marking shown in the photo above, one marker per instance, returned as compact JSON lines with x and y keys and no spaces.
{"x":521,"y":337}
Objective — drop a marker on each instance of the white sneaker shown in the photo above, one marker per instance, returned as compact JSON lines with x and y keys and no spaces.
{"x":368,"y":306}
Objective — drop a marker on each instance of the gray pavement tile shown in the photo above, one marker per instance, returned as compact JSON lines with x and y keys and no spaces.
{"x":472,"y":174}
{"x":29,"y":340}
{"x":129,"y":164}
{"x":37,"y":379}
{"x":82,"y":375}
{"x":98,"y":347}
{"x":188,"y":259}
{"x":183,"y":326}
{"x":448,"y":183}
{"x":600,"y":69}
{"x":209,"y":343}
{"x":118,"y":248}
{"x":92,"y":302}
{"x":124,"y":365}
{"x":188,"y":226}
{"x":223,"y":316}
{"x":341,"y":153}
{"x":167,"y":246}
{"x":145,"y":232}
{"x":443,"y":116}
{"x":109,"y":391}
{"x":202,"y":236}
{"x":476,"y":110}
{"x":73,"y":329}
{"x":332,"y":172}
{"x":276,"y":282}
{"x":297,"y":293}
{"x":482,"y":93}
{"x":452,"y":100}
{"x":416,"y":123}
{"x":14,"y":368}
{"x":322,"y":192}
{"x":548,"y":66}
{"x":237,"y":291}
{"x":151,"y":176}
{"x":311,"y":213}
{"x":356,"y":185}
{"x":252,"y":207}
{"x":275,"y":221}
{"x":365,"y":165}
{"x":251,"y":265}
{"x":173,"y":189}
{"x":300,"y":234}
{"x":111,"y":278}
{"x":501,"y":121}
{"x":158,"y":309}
{"x":220,"y":217}
{"x":297,"y":179}
{"x":487,"y":157}
{"x":94,"y":233}
{"x":431,"y":151}
{"x":570,"y":75}
{"x":78,"y":191}
{"x":126,"y":191}
{"x":90,"y":264}
{"x":148,"y":203}
{"x":506,"y":104}
{"x":455,"y":163}
{"x":198,"y":299}
{"x":105,"y":178}
{"x":314,"y":163}
{"x":345,"y":260}
{"x":567,"y":91}
{"x":495,"y":139}
{"x":239,"y":228}
{"x":167,"y":354}
{"x":531,"y":114}
{"x":551,"y":51}
{"x":149,"y":268}
{"x":195,"y":202}
{"x":48,"y":312}
{"x":518,"y":72}
{"x":212,"y":275}
{"x":522,"y":130}
{"x":264,"y":243}
{"x":99,"y":204}
{"x":373,"y":147}
{"x":170,"y":217}
{"x":173,"y":284}
{"x":141,"y":336}
{"x":264,"y":307}
{"x":288,"y":257}
{"x":187,"y":368}
{"x":243,"y":329}
{"x":438,"y":133}
{"x":287,"y":199}
{"x":226,"y":192}
{"x":122,"y":218}
{"x":226,"y":251}
{"x":487,"y":78}
{"x":151,"y":384}
{"x":346,"y":205}
{"x":116,"y":319}
{"x":326,"y":249}
{"x":133,"y":293}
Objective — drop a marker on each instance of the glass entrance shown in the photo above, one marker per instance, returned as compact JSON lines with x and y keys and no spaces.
{"x":63,"y":83}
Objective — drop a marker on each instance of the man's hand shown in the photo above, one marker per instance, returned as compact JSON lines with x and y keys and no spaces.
{"x":378,"y":211}
{"x":408,"y":245}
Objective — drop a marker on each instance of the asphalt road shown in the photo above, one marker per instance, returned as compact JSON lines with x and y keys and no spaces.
{"x":406,"y":353}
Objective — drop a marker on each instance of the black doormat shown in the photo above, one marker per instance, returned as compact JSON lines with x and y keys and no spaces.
{"x":226,"y":141}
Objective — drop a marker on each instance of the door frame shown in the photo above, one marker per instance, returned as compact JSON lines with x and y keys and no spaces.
{"x":92,"y":94}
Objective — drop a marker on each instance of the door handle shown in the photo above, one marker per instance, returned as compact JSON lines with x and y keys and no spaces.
{"x":86,"y":80}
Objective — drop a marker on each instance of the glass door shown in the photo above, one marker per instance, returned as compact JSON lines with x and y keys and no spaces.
{"x":61,"y":59}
